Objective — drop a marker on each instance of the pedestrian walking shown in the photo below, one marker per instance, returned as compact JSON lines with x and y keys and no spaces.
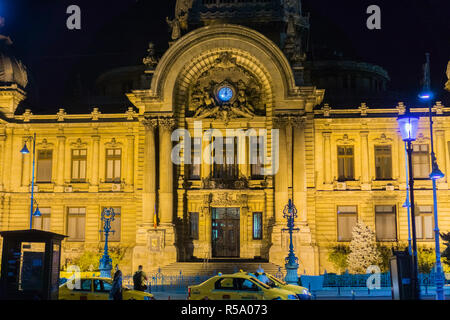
{"x":139,"y":280}
{"x":116,"y":289}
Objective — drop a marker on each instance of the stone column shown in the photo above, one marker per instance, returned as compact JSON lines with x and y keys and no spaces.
{"x":441,"y":153}
{"x":149,"y":187}
{"x":130,"y":161}
{"x":2,"y":156}
{"x":7,"y":158}
{"x":299,"y":167}
{"x":166,"y":171}
{"x":327,"y":158}
{"x":365,"y":178}
{"x":95,"y":163}
{"x":281,"y":177}
{"x":61,"y":159}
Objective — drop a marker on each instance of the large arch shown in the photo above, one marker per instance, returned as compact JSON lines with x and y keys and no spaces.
{"x":268,"y":60}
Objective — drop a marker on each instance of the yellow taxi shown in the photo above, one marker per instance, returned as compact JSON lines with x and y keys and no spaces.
{"x":237,"y":287}
{"x":301,"y":292}
{"x":96,"y":288}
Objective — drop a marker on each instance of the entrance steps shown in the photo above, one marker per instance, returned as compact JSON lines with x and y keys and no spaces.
{"x":213,"y":267}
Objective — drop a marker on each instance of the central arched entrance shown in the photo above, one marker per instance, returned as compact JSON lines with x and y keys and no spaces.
{"x":225,"y":232}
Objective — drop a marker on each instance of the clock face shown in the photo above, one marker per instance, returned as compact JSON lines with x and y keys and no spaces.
{"x":225,"y":94}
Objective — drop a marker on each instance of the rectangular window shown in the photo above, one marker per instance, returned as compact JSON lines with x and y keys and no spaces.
{"x":421,"y":161}
{"x":42,"y":222}
{"x":229,"y":168}
{"x":196,"y":158}
{"x":44,"y":166}
{"x":347,"y":218}
{"x":115,"y":226}
{"x":346,"y":163}
{"x":193,"y":225}
{"x":385,"y":223}
{"x":76,"y":220}
{"x":113,"y":165}
{"x":424,"y":223}
{"x":383,"y":162}
{"x":257,"y":225}
{"x":256,"y":155}
{"x":79,"y":162}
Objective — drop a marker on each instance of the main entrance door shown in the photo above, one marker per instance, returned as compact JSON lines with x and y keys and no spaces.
{"x":225,"y":232}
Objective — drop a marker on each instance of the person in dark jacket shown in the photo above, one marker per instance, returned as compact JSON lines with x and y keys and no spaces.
{"x":139,"y":279}
{"x":116,"y":289}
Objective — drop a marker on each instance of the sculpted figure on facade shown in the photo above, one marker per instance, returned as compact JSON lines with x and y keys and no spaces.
{"x":447,"y":85}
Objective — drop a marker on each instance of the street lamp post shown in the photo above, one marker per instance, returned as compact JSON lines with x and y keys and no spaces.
{"x":290,"y":213}
{"x":436,"y":173}
{"x":24,"y":151}
{"x":407,"y":203}
{"x":409,"y":125}
{"x":105,"y":266}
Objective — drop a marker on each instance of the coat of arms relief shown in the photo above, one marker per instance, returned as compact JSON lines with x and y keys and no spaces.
{"x":226,"y":91}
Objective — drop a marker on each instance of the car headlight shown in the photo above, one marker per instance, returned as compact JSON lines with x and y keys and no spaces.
{"x":292,"y":297}
{"x":306,"y":292}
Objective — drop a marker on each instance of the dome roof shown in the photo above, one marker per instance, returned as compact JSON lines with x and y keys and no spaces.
{"x":12,"y":70}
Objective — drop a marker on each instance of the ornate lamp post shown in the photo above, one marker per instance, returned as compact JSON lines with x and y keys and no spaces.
{"x":426,"y":95}
{"x":409,"y":125}
{"x":407,"y":204}
{"x":25,"y":150}
{"x":290,"y":213}
{"x":106,"y":262}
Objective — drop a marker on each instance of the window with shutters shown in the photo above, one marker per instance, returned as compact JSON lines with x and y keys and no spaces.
{"x":424,"y":223}
{"x":383,"y":162}
{"x":345,"y":163}
{"x":385,"y":223}
{"x":44,"y":166}
{"x":76,"y":220}
{"x":79,"y":163}
{"x":421,"y":161}
{"x":347,"y":217}
{"x":113,"y":165}
{"x":42,"y":222}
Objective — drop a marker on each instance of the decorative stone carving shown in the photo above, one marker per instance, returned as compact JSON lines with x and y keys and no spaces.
{"x":225,"y":183}
{"x":345,"y":140}
{"x":245,"y":99}
{"x":326,"y":110}
{"x":363,"y":108}
{"x":383,"y":139}
{"x":61,"y":115}
{"x":150,"y":124}
{"x":130,"y":113}
{"x":439,"y":108}
{"x":166,"y":123}
{"x":447,"y":85}
{"x":95,"y":114}
{"x":79,"y":144}
{"x":45,"y":144}
{"x":27,"y":115}
{"x":113,"y":144}
{"x":401,"y":108}
{"x":150,"y":60}
{"x":228,"y":199}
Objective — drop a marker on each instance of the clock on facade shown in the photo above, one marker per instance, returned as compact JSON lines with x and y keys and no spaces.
{"x":225,"y":94}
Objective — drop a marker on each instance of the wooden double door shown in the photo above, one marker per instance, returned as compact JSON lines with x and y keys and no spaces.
{"x":225,"y":232}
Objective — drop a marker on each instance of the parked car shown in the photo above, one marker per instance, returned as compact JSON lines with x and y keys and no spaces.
{"x":96,"y":288}
{"x":237,"y":287}
{"x":301,"y":292}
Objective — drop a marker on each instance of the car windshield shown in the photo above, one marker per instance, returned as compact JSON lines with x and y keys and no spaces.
{"x":276,"y":280}
{"x":265,"y":286}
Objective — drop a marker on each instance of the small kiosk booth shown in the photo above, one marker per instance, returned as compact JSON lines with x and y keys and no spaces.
{"x":30,"y":265}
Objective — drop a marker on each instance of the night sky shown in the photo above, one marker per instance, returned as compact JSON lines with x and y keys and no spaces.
{"x":116,"y":33}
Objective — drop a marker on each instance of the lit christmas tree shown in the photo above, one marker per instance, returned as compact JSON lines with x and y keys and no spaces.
{"x":363,"y":249}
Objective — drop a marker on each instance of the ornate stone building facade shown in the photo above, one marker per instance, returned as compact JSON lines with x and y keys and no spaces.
{"x":338,"y":165}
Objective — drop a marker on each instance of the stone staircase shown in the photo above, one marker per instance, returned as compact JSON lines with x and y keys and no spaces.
{"x":213,"y":267}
